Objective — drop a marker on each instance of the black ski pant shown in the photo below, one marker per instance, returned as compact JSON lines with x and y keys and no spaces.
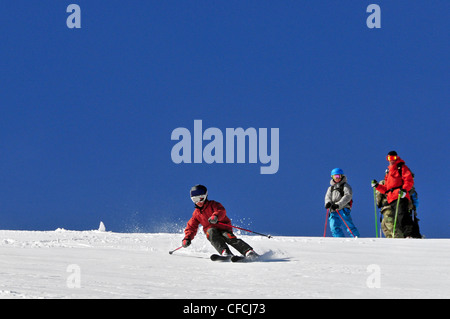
{"x":404,"y":220}
{"x":219,"y":238}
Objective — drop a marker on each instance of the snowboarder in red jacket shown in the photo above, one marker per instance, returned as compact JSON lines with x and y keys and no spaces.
{"x":217,"y":226}
{"x":398,"y":182}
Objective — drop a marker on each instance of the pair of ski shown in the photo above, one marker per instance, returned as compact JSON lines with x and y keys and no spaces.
{"x":216,"y":257}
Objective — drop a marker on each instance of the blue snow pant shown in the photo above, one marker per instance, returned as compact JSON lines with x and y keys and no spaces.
{"x":336,"y":224}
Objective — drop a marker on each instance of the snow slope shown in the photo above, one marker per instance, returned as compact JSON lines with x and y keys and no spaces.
{"x":96,"y":264}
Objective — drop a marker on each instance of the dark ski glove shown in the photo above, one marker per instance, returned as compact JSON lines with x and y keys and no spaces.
{"x":327,"y":205}
{"x":403,"y":193}
{"x":213,"y":219}
{"x":334,"y":206}
{"x":186,"y":242}
{"x":374,"y":183}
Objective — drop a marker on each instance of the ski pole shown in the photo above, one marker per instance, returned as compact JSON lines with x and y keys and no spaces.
{"x":376,"y":215}
{"x":345,"y":223}
{"x":326,"y":222}
{"x":247,"y":230}
{"x":172,"y":251}
{"x":400,"y":193}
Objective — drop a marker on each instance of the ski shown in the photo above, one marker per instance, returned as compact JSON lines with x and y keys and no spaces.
{"x":243,"y":259}
{"x":238,"y":259}
{"x":216,"y":257}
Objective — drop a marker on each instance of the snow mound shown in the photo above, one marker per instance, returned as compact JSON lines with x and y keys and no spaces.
{"x":99,"y":264}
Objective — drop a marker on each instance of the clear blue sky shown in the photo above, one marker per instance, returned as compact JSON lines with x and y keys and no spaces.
{"x":86,"y":114}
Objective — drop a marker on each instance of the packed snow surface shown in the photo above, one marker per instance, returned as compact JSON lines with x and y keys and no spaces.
{"x":100,"y":264}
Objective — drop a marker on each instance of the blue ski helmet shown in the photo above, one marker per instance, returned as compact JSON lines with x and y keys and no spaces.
{"x":198,"y":190}
{"x":337,"y":171}
{"x":199,"y":193}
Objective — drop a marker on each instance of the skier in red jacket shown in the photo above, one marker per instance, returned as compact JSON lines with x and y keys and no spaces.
{"x":398,"y":182}
{"x":212,"y":216}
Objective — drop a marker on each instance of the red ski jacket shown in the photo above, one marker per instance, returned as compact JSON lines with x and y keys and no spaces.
{"x":200,"y":216}
{"x":398,"y":177}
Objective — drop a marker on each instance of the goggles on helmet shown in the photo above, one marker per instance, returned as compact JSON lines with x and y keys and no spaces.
{"x":199,"y":193}
{"x":199,"y":198}
{"x":336,"y":176}
{"x":391,"y":158}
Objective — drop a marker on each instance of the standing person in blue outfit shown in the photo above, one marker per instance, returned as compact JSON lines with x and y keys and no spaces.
{"x":338,"y":200}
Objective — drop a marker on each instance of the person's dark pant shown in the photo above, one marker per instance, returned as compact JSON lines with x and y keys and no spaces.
{"x":219,"y":238}
{"x":404,"y":220}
